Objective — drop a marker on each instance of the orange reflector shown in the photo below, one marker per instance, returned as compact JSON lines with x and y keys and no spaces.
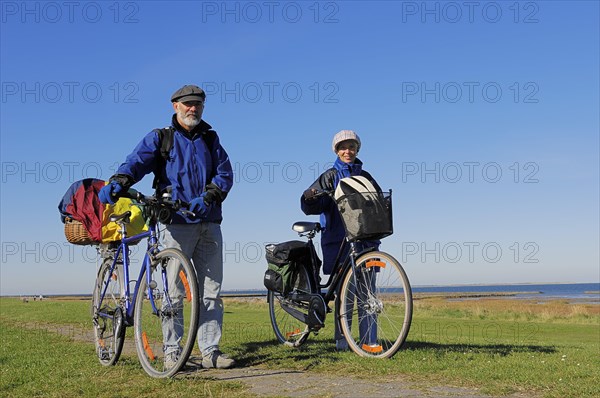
{"x":147,"y":348}
{"x":114,"y":276}
{"x":290,"y":334}
{"x":101,"y":343}
{"x":186,"y":284}
{"x":375,"y":263}
{"x":372,"y":348}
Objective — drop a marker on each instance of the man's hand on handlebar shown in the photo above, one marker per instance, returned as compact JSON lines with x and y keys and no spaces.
{"x":177,"y":205}
{"x":199,"y":206}
{"x":110,"y":192}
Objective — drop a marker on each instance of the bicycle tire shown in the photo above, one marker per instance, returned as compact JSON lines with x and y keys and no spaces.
{"x":289,"y":330}
{"x":107,"y":316}
{"x":177,"y":309}
{"x":376,"y":293}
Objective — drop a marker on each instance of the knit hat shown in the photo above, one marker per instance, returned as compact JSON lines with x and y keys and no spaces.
{"x":343,"y":136}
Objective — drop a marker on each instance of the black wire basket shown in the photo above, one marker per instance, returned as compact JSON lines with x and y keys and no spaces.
{"x":366,"y":215}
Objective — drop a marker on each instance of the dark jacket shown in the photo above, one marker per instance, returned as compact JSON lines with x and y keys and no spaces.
{"x":193,"y":168}
{"x":334,"y":233}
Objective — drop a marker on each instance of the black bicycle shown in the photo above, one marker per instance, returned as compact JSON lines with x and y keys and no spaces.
{"x":370,"y":290}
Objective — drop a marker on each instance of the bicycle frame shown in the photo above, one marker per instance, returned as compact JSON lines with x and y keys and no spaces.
{"x":123,"y":249}
{"x":339,"y":268}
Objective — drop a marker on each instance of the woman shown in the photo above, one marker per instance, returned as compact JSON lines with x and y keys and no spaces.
{"x":346,"y":145}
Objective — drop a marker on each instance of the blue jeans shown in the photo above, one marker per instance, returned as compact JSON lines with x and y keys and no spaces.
{"x":367,"y":322}
{"x":203,"y":244}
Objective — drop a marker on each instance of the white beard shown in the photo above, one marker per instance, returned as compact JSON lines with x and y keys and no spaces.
{"x":191,"y":121}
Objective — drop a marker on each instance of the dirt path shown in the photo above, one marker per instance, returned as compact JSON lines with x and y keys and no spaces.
{"x":295,"y":383}
{"x":299,"y":384}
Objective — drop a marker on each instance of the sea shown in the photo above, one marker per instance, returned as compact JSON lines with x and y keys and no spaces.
{"x":588,"y":293}
{"x":580,"y":292}
{"x":576,"y":292}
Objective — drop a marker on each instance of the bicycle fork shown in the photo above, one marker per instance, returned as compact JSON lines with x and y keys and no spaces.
{"x":168,"y":309}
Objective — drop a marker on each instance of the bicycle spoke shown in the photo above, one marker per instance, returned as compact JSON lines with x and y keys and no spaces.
{"x":166,"y":314}
{"x":107,"y":317}
{"x":289,"y":330}
{"x":375,"y":306}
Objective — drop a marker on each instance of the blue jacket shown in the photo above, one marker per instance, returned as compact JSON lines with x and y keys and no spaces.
{"x":192,"y":169}
{"x":334,"y":233}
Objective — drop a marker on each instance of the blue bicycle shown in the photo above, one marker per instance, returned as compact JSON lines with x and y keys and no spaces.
{"x":164,"y":306}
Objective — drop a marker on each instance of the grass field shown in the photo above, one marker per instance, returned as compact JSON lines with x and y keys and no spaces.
{"x":500,"y":346}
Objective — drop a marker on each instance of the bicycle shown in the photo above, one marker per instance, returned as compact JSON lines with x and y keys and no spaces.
{"x":369,"y":287}
{"x":165,"y":296}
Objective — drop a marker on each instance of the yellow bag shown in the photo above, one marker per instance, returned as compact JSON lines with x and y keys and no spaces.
{"x":111,"y":230}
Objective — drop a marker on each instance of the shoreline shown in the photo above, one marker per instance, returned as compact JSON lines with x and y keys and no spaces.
{"x":546,"y":291}
{"x":451,"y":296}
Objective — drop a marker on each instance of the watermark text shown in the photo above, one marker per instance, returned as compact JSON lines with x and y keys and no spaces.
{"x":290,"y":12}
{"x":471,"y":92}
{"x":68,"y":92}
{"x":470,"y":252}
{"x":453,"y":12}
{"x":70,"y":12}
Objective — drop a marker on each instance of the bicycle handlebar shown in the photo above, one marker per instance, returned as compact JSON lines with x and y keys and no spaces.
{"x":322,"y":193}
{"x":177,"y":205}
{"x":319,"y":193}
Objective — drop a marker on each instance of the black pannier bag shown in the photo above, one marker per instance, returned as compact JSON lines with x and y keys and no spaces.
{"x":281,"y":261}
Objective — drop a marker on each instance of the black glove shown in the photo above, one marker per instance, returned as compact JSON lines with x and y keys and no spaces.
{"x":212,"y":193}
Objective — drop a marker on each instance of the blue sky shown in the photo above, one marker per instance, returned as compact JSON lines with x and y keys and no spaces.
{"x":481,"y":117}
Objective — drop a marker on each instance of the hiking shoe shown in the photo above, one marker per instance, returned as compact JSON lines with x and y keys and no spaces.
{"x":218,"y":360}
{"x":171,"y":360}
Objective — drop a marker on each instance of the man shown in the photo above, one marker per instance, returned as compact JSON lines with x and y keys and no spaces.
{"x":197,"y":171}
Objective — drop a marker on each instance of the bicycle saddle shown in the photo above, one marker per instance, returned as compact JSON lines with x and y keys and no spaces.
{"x":118,"y":217}
{"x":306,"y":226}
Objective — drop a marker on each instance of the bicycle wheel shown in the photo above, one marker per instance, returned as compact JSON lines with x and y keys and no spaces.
{"x":289,"y":330}
{"x":107,"y":313}
{"x":166,"y":314}
{"x":375,"y":305}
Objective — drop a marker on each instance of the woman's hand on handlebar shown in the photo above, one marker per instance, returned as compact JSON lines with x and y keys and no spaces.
{"x":312,"y":194}
{"x":309,"y":194}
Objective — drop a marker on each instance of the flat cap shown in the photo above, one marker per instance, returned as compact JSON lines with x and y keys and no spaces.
{"x":188,"y":92}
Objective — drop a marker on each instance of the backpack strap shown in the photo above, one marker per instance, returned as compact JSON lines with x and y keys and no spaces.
{"x":166,"y":136}
{"x":165,"y":141}
{"x":209,"y":137}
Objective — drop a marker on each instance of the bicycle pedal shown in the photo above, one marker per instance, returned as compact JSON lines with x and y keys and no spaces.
{"x":103,"y":354}
{"x":316,"y":313}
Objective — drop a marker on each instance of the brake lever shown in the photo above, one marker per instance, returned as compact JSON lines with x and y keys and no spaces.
{"x":187,"y":212}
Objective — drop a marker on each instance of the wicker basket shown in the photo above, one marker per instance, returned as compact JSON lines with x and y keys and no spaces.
{"x":76,"y":233}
